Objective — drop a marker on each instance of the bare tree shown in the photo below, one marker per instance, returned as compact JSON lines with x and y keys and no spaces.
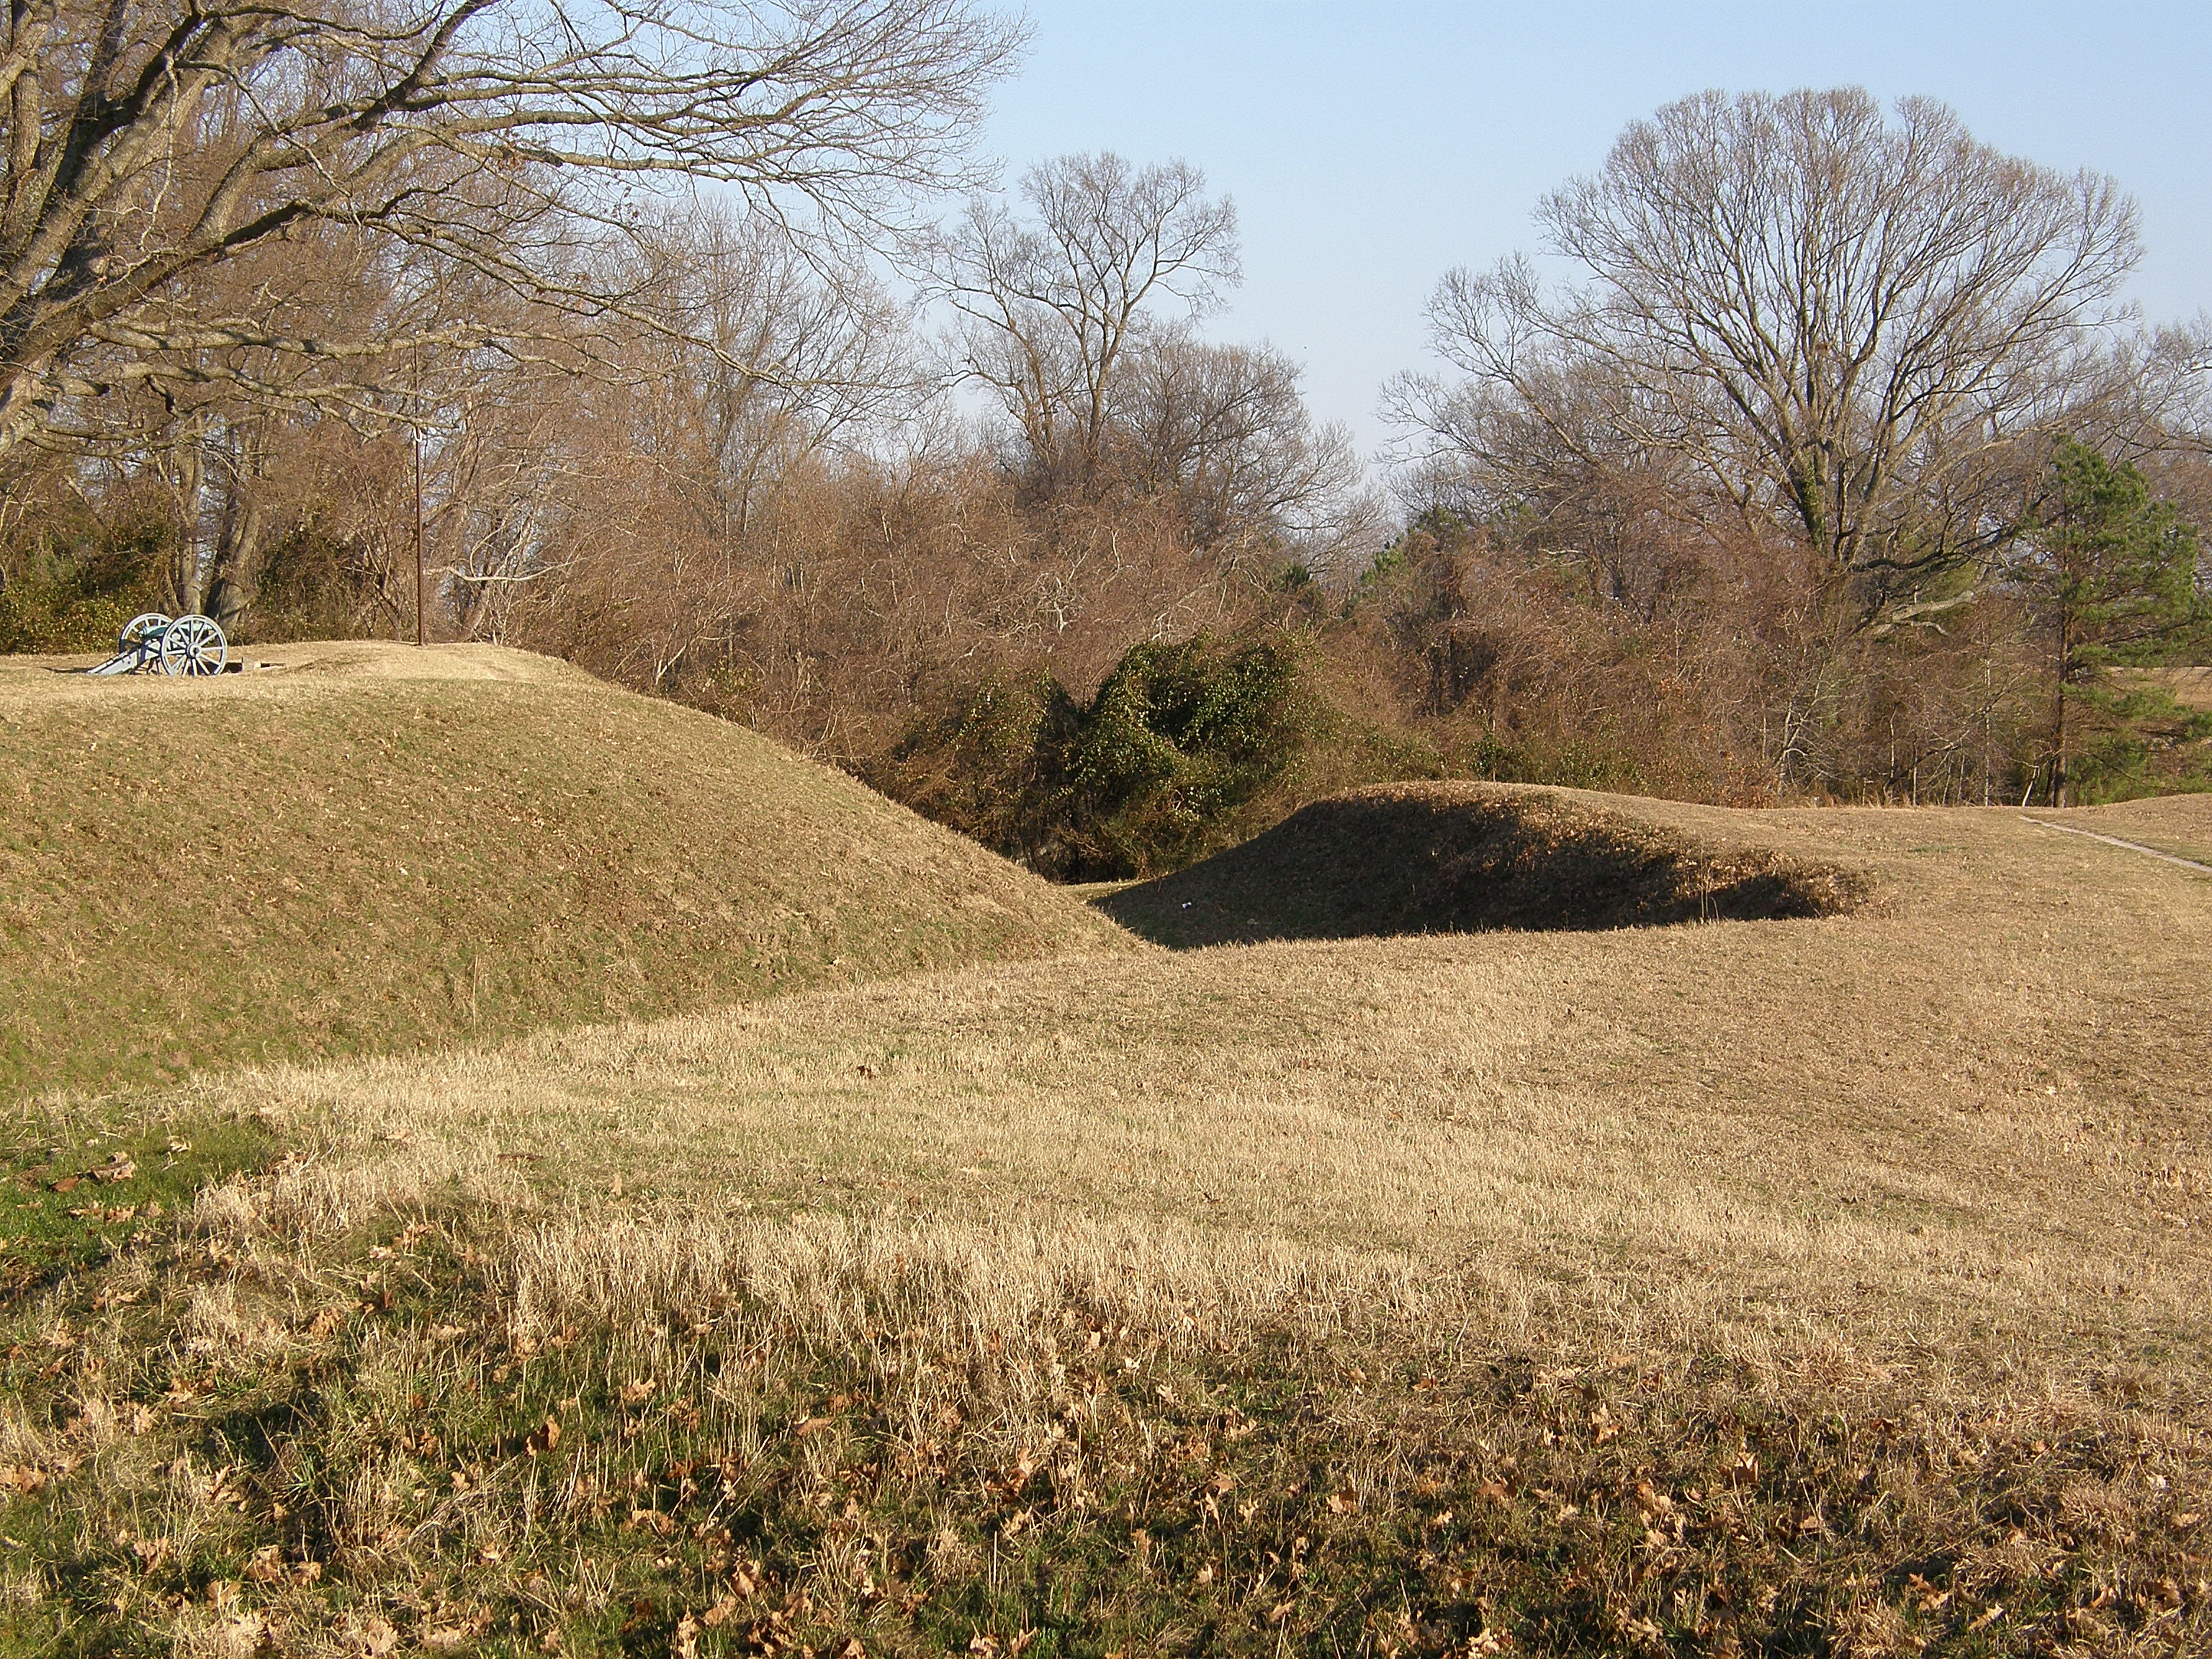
{"x":1225,"y":431}
{"x":1834,"y":316}
{"x":663,"y":508}
{"x":1560,"y":476}
{"x":765,"y":357}
{"x":1051,"y":303}
{"x":147,"y":144}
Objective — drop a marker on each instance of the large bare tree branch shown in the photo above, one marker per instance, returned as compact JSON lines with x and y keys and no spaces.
{"x":148,"y":143}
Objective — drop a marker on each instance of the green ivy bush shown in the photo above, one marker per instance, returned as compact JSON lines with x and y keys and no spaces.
{"x":71,"y":598}
{"x":1165,"y":764}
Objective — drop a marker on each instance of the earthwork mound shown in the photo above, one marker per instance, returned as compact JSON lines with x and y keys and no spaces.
{"x":368,"y":848}
{"x":1471,"y":858}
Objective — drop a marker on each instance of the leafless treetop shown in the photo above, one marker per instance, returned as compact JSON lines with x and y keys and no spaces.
{"x":1831,"y":312}
{"x":146,"y":144}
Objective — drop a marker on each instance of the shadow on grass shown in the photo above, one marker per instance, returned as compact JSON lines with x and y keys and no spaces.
{"x":1449,"y":859}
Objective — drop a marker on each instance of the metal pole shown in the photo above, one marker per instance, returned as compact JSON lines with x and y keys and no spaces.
{"x":422,"y":619}
{"x":421,"y":634}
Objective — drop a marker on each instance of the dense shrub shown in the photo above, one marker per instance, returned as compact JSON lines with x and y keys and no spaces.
{"x":1178,"y":739}
{"x":975,"y":762}
{"x":1160,"y":767}
{"x":2136,"y":739}
{"x":71,"y":588}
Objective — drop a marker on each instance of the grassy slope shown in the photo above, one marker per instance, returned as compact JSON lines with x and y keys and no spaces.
{"x":1823,"y":1286}
{"x":374,"y":850}
{"x":2019,"y":1002}
{"x":2190,"y":687}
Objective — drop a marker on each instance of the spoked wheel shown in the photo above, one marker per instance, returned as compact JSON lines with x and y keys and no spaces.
{"x":194,"y":645}
{"x":141,"y":636}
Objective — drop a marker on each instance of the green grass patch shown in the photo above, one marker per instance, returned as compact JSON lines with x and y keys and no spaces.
{"x":405,"y":1466}
{"x":70,"y":1201}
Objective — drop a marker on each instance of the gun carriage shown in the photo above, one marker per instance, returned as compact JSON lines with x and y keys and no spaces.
{"x":152,"y":643}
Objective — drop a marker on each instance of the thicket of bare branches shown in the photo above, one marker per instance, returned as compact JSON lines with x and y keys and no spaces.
{"x":1838,"y":324}
{"x":224,"y":227}
{"x":150,"y":149}
{"x":1752,"y":510}
{"x":1795,"y":417}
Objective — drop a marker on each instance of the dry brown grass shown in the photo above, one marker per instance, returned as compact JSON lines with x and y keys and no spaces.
{"x":1978,"y":1112}
{"x":1462,"y":858}
{"x":273,"y":673}
{"x":2192,"y":687}
{"x":1824,"y":1286}
{"x":2180,"y":824}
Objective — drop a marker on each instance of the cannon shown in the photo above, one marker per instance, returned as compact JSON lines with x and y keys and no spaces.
{"x":152,"y":643}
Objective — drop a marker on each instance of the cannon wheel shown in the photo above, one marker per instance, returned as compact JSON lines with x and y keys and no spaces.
{"x":195,"y":646}
{"x":142,"y":635}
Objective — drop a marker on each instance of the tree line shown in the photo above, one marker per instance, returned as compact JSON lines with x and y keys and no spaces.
{"x":1836,"y":468}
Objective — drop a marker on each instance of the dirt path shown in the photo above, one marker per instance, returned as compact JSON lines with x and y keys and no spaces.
{"x":2114,"y":840}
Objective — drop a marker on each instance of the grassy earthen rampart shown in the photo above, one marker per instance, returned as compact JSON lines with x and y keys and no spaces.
{"x":373,"y":850}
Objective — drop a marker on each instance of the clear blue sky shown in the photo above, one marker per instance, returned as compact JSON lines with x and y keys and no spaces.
{"x":1371,"y":148}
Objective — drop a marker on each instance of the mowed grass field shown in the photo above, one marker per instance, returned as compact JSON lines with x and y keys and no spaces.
{"x":1977,"y":1112}
{"x":1835,"y":1285}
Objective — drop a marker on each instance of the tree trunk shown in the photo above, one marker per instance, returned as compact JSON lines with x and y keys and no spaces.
{"x":2058,"y":745}
{"x":187,"y":571}
{"x":19,"y":407}
{"x":236,"y":569}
